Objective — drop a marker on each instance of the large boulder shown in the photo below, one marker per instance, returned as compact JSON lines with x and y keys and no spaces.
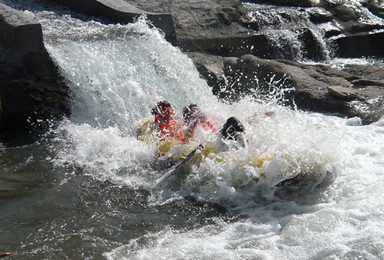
{"x":30,"y":86}
{"x":121,"y":11}
{"x":21,"y":46}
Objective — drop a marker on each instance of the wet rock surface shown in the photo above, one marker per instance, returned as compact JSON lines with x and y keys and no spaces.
{"x":30,"y":87}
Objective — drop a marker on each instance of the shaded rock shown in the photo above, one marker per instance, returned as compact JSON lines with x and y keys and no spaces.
{"x":30,"y":85}
{"x":358,"y":83}
{"x":120,"y":11}
{"x":229,"y":46}
{"x":360,"y":45}
{"x":303,"y":3}
{"x":344,"y":13}
{"x":374,"y":7}
{"x":21,"y":46}
{"x":311,"y":47}
{"x":319,"y":15}
{"x":28,"y":103}
{"x":210,"y":67}
{"x":354,"y":27}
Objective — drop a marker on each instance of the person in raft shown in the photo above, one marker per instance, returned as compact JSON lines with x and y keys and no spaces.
{"x":195,"y":120}
{"x":232,"y":130}
{"x":168,"y":125}
{"x":166,"y":122}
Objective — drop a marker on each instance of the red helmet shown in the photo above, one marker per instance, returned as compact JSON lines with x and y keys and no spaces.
{"x":163,"y":108}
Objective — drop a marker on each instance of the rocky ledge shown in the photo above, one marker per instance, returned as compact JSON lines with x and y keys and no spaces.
{"x":31,"y":90}
{"x":228,"y":45}
{"x":354,"y":91}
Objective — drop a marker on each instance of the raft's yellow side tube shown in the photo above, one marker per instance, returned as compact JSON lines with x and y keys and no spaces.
{"x":147,"y":133}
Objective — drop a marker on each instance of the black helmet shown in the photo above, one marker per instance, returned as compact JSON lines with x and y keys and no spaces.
{"x":232,"y":128}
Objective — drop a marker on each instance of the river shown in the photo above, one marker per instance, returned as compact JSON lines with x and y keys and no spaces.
{"x":84,"y":190}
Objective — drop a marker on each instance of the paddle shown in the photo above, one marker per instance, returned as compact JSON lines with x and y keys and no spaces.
{"x":171,"y":171}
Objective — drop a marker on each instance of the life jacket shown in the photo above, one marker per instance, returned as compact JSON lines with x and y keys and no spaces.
{"x":169,"y":127}
{"x":207,"y":125}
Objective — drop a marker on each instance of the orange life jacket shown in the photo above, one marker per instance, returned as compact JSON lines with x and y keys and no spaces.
{"x":169,"y":127}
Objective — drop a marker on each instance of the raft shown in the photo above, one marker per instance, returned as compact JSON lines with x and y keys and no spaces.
{"x":298,"y":174}
{"x":166,"y":145}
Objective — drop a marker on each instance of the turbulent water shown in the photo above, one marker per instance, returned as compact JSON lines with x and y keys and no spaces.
{"x":84,"y":191}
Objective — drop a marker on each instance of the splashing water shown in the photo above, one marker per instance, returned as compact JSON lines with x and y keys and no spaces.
{"x":116,"y":74}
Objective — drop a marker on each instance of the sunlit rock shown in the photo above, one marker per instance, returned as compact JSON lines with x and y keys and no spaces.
{"x":121,"y":11}
{"x":342,"y":92}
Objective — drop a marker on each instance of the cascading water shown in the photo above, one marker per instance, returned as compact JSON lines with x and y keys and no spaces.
{"x":91,"y":191}
{"x":293,"y":36}
{"x":286,"y":26}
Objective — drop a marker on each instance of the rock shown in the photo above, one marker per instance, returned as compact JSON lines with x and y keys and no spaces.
{"x":316,"y":88}
{"x":121,"y":11}
{"x":303,"y":3}
{"x":358,"y":83}
{"x":21,"y":46}
{"x":210,"y":67}
{"x":374,"y":7}
{"x":360,"y":45}
{"x":229,"y":46}
{"x":319,"y":15}
{"x":343,"y":92}
{"x":30,"y":85}
{"x":344,"y":13}
{"x":366,"y":74}
{"x":216,"y":27}
{"x":28,"y":104}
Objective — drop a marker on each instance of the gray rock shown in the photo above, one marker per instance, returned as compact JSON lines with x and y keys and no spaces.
{"x":374,"y":7}
{"x":344,"y":13}
{"x":303,"y":3}
{"x":121,"y":11}
{"x":315,"y":87}
{"x":219,"y":27}
{"x":360,"y":45}
{"x":21,"y":45}
{"x":343,"y":92}
{"x":30,"y":85}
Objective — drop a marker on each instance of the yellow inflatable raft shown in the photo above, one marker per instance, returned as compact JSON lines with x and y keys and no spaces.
{"x":147,"y":133}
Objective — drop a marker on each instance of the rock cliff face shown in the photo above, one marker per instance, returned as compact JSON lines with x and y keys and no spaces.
{"x":30,"y":86}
